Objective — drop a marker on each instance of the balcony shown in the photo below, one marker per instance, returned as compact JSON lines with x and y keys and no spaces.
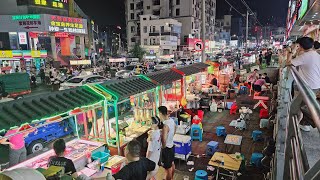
{"x":156,"y":2}
{"x":165,"y":33}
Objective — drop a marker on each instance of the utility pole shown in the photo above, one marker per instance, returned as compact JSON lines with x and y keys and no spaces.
{"x":203,"y":29}
{"x":247,"y":31}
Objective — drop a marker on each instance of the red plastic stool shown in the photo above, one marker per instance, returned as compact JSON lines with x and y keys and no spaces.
{"x":200,"y":114}
{"x":234,"y":108}
{"x":264,"y":113}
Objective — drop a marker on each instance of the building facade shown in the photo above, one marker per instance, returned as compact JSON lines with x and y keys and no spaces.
{"x":57,"y":26}
{"x":159,"y":35}
{"x":187,"y":12}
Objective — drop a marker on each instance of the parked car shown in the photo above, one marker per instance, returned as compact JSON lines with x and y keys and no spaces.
{"x":82,"y":80}
{"x":129,"y":71}
{"x":126,"y":72}
{"x":164,"y":65}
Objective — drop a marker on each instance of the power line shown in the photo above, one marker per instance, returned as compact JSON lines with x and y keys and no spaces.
{"x":244,"y":16}
{"x":248,"y":8}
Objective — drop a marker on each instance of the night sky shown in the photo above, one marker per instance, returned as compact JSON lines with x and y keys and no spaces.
{"x":269,"y":11}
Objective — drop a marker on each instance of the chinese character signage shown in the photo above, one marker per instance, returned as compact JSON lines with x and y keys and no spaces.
{"x":6,"y":54}
{"x":35,"y":54}
{"x":42,"y":23}
{"x":57,"y":4}
{"x":67,"y":24}
{"x":22,"y":37}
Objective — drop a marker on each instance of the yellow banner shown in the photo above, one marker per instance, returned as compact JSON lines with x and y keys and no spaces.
{"x":6,"y":54}
{"x":35,"y":54}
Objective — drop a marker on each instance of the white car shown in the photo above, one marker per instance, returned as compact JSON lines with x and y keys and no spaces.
{"x":164,"y":65}
{"x":128,"y":71}
{"x":82,"y":80}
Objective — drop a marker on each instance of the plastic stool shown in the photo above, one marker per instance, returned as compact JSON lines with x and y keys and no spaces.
{"x":234,"y":108}
{"x":196,"y":132}
{"x":221,"y":131}
{"x":201,"y":175}
{"x":256,"y":159}
{"x":264,"y":114}
{"x":243,"y":90}
{"x":212,"y":147}
{"x":256,"y":135}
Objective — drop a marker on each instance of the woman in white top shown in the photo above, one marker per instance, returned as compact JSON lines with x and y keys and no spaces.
{"x":154,"y":144}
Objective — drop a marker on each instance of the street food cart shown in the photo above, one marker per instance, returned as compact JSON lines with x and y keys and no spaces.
{"x":170,"y":84}
{"x":130,"y":104}
{"x":70,"y":110}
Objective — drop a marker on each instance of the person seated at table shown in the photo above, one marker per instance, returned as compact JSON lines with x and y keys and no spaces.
{"x":137,"y":167}
{"x":266,"y":77}
{"x":257,"y":87}
{"x":59,"y":147}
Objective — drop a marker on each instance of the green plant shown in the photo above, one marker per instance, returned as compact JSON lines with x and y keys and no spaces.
{"x":138,"y":52}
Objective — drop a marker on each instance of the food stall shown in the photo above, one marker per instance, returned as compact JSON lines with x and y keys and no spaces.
{"x":130,"y":104}
{"x":74,"y":107}
{"x":170,"y":88}
{"x":194,"y":77}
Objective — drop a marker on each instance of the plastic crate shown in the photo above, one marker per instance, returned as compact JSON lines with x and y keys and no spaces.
{"x":103,"y":156}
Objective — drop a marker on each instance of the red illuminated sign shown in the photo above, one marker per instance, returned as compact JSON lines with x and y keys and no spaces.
{"x":61,"y":34}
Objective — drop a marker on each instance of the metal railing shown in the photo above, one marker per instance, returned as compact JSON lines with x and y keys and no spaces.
{"x":290,"y":160}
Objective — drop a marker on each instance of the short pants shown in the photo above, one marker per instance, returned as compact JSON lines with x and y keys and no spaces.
{"x":167,"y":157}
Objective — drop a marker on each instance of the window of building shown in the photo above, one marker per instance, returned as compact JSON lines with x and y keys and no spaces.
{"x":156,"y":13}
{"x":156,"y":2}
{"x":162,"y":29}
{"x":145,"y":29}
{"x":148,"y":7}
{"x":131,"y":6}
{"x":132,"y":16}
{"x":144,"y":19}
{"x":227,"y":23}
{"x":132,"y":29}
{"x":133,"y":39}
{"x":191,"y":25}
{"x":178,"y":2}
{"x":153,"y":29}
{"x":145,"y":41}
{"x":178,"y":12}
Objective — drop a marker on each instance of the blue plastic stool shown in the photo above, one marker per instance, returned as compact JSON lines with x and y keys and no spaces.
{"x":201,"y":175}
{"x":256,"y":135}
{"x":243,"y":90}
{"x":196,"y":132}
{"x":221,"y":131}
{"x":212,"y":147}
{"x":256,"y":159}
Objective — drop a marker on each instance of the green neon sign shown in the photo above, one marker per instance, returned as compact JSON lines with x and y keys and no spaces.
{"x":25,"y":17}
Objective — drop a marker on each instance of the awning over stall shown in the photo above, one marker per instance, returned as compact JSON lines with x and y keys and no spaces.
{"x":127,"y":87}
{"x":193,"y":69}
{"x":17,"y":112}
{"x":165,"y":77}
{"x":201,"y":65}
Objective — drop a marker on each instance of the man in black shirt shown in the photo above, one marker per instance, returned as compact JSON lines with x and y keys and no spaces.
{"x":266,"y":77}
{"x":138,"y":167}
{"x":59,"y":147}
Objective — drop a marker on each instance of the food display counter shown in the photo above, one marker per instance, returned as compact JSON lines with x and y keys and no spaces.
{"x":75,"y":150}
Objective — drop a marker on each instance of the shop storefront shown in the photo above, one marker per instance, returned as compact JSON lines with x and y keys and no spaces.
{"x":59,"y":35}
{"x":23,"y":59}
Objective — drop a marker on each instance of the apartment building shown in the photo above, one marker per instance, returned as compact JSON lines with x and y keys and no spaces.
{"x":161,"y":36}
{"x":187,"y":12}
